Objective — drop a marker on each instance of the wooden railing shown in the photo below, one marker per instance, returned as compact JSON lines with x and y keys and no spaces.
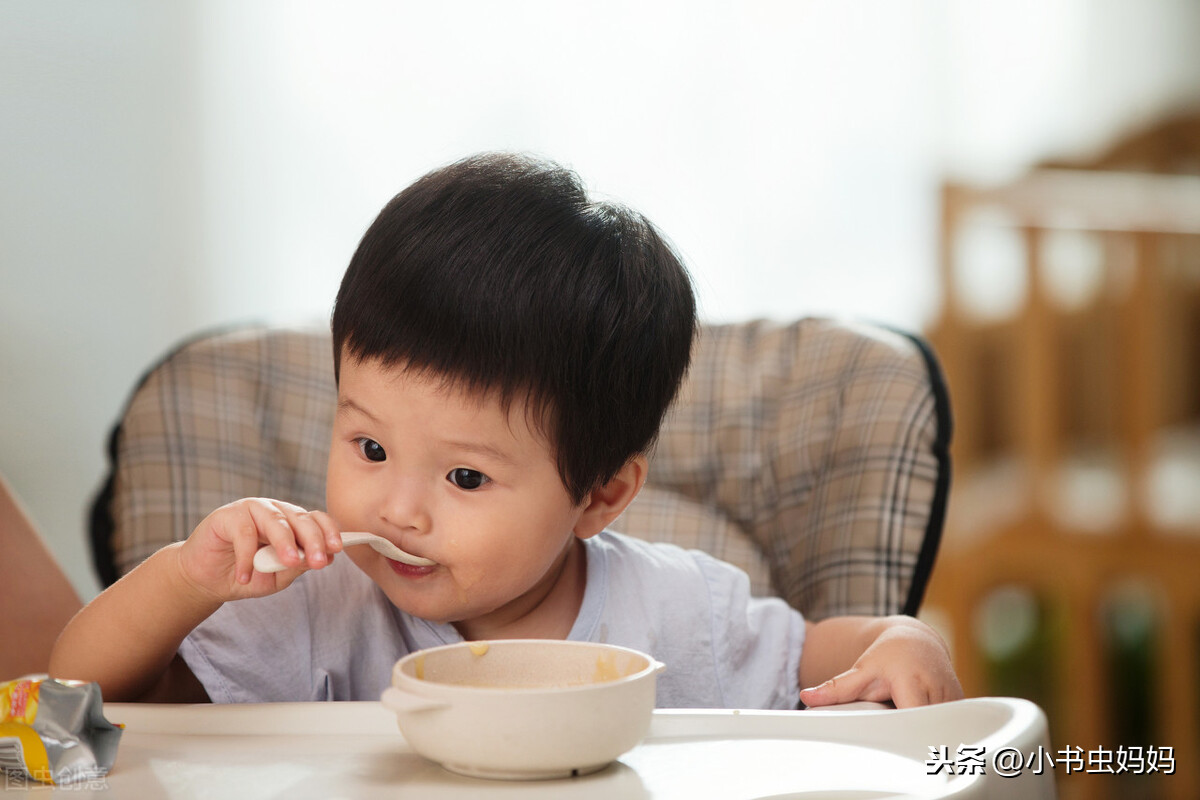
{"x":1115,"y":372}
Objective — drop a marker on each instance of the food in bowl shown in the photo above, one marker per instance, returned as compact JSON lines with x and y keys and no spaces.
{"x":523,"y":709}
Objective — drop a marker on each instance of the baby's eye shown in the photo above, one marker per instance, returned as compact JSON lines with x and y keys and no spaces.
{"x":465,"y":478}
{"x":371,"y":449}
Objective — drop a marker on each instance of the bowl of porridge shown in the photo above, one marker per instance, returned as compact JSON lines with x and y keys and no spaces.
{"x":523,"y":709}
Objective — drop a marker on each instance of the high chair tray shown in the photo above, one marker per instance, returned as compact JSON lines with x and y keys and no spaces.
{"x":322,"y":750}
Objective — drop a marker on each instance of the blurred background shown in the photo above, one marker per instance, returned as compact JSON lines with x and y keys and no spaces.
{"x":1017,"y":180}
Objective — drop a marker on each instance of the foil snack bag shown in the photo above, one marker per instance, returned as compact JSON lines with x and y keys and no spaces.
{"x":54,"y":731}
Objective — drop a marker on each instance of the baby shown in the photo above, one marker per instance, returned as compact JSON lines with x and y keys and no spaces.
{"x":505,"y":349}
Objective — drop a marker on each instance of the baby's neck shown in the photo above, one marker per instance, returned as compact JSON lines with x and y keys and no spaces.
{"x":550,"y":617}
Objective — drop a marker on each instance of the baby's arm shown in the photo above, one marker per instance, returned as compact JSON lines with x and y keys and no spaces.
{"x":128,"y":637}
{"x":875,"y":658}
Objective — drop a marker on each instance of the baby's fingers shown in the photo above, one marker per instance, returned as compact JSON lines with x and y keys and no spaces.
{"x":244,"y":548}
{"x":911,"y":693}
{"x":925,"y":690}
{"x":853,"y":684}
{"x":273,"y":526}
{"x":333,"y":534}
{"x":311,"y":535}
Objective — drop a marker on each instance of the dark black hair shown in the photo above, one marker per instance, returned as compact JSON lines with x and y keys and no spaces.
{"x":499,"y":273}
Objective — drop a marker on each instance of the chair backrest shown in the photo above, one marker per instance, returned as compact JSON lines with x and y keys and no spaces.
{"x":812,"y":454}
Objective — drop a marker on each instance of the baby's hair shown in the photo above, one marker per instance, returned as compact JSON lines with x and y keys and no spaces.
{"x":501,"y":275}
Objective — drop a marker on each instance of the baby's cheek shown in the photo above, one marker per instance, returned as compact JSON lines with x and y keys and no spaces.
{"x":467,"y":579}
{"x":341,"y":498}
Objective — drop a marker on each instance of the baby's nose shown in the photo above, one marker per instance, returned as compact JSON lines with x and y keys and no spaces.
{"x":405,"y":507}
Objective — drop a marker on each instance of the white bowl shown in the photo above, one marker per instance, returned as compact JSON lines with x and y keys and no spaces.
{"x":523,"y":709}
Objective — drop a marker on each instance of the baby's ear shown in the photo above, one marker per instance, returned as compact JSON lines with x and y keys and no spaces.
{"x":606,"y":503}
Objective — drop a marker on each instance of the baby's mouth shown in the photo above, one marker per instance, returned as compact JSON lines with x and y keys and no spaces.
{"x":405,"y":557}
{"x":408,"y":570}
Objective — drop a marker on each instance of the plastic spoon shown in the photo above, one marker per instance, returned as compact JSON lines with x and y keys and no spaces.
{"x":267,"y":560}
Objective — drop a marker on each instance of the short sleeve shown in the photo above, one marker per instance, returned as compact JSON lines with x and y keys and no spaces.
{"x":331,"y":635}
{"x":758,"y":640}
{"x":256,"y":651}
{"x":722,"y":647}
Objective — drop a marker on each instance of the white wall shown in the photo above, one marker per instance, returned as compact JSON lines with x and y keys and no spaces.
{"x":99,"y":265}
{"x":170,"y":166}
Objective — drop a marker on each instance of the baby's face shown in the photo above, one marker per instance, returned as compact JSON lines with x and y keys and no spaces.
{"x":450,"y":477}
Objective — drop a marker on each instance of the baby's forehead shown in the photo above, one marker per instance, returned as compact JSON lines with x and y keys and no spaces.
{"x":519,"y":405}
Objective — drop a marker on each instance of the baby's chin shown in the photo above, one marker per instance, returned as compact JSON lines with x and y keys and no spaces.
{"x":408,"y":600}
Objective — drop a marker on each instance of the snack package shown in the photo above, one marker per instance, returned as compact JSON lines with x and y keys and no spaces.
{"x":54,"y":731}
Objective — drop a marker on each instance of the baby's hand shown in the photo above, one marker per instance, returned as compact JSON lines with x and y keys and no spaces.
{"x":217,"y":559}
{"x":906,"y":663}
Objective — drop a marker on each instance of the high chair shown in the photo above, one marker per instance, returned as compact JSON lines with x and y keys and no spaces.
{"x":812,"y":454}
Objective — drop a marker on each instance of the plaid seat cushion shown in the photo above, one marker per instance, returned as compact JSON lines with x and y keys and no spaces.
{"x":823,"y":444}
{"x":810,"y":454}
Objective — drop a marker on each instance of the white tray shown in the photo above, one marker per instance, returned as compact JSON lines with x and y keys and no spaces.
{"x":351,"y":750}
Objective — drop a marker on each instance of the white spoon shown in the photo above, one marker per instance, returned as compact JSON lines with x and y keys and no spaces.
{"x":267,"y":560}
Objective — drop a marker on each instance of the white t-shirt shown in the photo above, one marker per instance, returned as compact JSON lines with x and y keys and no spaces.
{"x":334,"y":635}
